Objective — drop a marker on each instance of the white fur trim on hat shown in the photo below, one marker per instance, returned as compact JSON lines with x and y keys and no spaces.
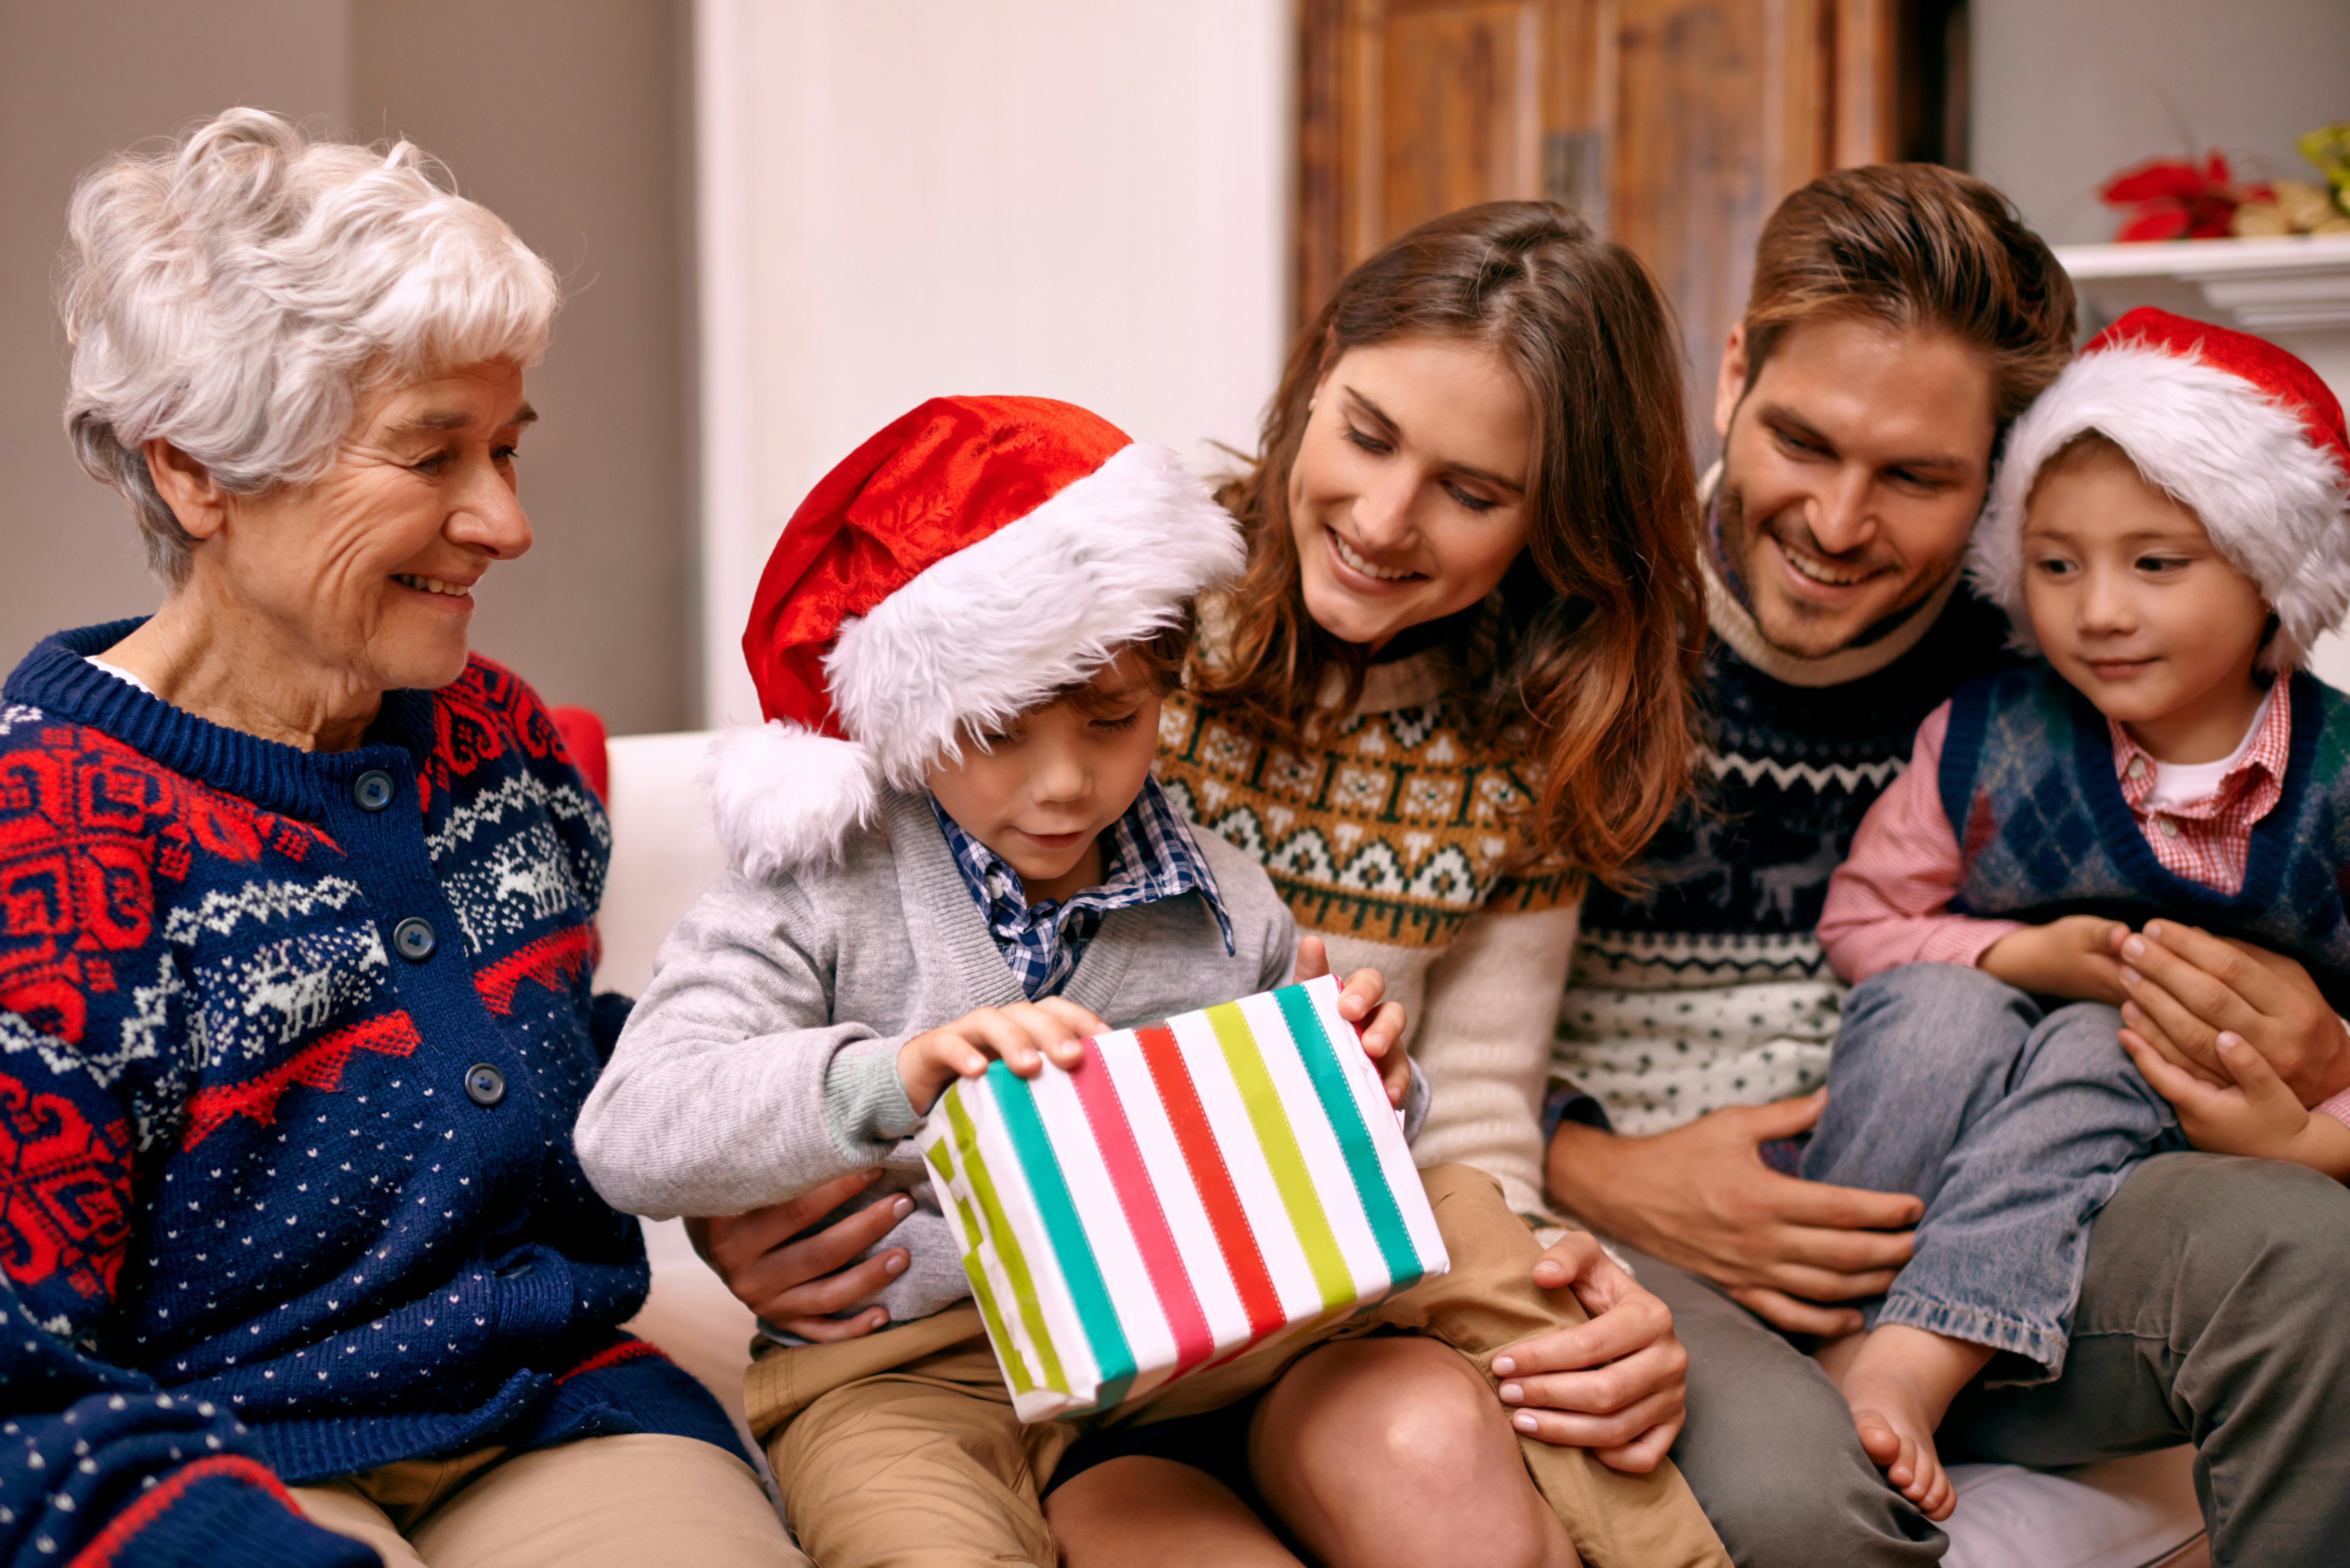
{"x":2272,"y":500}
{"x":988,"y":632}
{"x":783,"y":795}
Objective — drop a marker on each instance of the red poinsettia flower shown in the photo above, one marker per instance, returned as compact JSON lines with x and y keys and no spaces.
{"x":2173,"y":198}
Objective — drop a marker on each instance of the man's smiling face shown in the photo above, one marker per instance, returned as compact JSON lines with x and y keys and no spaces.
{"x":1852,"y":472}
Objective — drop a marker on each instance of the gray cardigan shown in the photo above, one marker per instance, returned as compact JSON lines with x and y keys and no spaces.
{"x":762,"y":1059}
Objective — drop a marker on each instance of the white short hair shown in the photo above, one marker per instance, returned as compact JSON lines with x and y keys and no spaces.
{"x":235,"y":294}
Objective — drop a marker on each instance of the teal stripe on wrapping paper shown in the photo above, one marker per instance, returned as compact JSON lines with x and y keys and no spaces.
{"x":1080,"y":1270}
{"x":1329,"y":1075}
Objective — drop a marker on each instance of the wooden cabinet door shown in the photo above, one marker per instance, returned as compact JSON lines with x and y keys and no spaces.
{"x":1674,"y":125}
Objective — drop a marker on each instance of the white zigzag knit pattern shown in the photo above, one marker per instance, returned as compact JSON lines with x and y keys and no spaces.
{"x":518,"y":793}
{"x":1784,"y":775}
{"x":261,"y":901}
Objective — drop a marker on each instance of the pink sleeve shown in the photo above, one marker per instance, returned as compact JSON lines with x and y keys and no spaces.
{"x":1889,"y":903}
{"x":2338,"y":1107}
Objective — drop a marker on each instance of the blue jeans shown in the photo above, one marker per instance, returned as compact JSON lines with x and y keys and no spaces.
{"x":2014,"y":1124}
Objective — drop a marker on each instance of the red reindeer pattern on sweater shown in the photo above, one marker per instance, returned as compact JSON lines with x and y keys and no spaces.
{"x":95,"y":839}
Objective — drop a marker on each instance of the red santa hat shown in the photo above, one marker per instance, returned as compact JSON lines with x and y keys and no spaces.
{"x":973,"y":558}
{"x":2230,"y":426}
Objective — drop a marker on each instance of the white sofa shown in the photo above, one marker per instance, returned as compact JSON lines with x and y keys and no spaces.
{"x":2127,"y":1513}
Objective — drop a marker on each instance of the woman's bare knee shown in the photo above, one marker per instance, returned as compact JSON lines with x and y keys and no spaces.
{"x":1392,"y":1449}
{"x":1139,"y":1511}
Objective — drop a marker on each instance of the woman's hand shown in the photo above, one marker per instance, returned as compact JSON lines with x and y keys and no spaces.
{"x":1359,"y":999}
{"x":1022,"y":1035}
{"x":2186,"y":987}
{"x":2071,"y":958}
{"x":1617,"y":1385}
{"x":793,"y":1284}
{"x":2256,"y":1115}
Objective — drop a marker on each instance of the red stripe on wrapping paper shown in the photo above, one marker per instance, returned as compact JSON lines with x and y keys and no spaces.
{"x":1113,"y":1137}
{"x":1180,"y":1099}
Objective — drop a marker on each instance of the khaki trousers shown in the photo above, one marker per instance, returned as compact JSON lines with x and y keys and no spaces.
{"x":901,"y":1450}
{"x":600,"y":1502}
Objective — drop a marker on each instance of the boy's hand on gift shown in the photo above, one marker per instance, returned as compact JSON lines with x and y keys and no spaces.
{"x":794,"y":1283}
{"x":1024,"y":1037}
{"x":2073,"y":956}
{"x":2184,"y":988}
{"x":2256,"y":1114}
{"x":1379,"y":1023}
{"x":1617,"y":1385}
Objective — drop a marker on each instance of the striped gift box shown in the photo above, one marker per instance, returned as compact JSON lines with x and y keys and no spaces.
{"x":1193,"y":1189}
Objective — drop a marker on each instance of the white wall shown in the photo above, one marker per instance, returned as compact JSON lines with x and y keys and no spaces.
{"x":904,"y":198}
{"x":2068,"y":92}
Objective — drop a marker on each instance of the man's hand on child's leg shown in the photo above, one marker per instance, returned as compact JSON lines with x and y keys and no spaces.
{"x":2185,"y":986}
{"x":1378,"y":1024}
{"x":1023,"y":1037}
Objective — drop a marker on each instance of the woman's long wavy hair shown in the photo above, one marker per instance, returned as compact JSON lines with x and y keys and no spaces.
{"x":1602,"y":615}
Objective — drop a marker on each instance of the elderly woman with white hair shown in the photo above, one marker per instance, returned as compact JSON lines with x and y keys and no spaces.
{"x":297,"y":917}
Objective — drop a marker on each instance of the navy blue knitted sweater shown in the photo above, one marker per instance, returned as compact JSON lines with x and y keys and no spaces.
{"x":290,"y":1048}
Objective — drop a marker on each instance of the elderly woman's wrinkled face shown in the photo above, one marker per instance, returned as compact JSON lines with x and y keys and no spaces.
{"x":373,"y":566}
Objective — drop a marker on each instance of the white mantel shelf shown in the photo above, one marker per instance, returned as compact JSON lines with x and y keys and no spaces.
{"x":2274,"y":287}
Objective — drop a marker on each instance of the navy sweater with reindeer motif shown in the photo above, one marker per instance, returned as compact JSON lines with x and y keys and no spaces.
{"x":290,"y":1048}
{"x":1710,"y":987}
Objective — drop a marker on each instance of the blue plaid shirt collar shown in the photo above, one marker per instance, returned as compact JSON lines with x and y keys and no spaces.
{"x":1148,"y":854}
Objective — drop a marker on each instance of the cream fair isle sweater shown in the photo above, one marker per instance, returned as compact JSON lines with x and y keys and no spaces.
{"x":1388,"y":840}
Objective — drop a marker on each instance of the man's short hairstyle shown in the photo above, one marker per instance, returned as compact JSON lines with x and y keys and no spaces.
{"x":237,"y":291}
{"x":1916,"y":245}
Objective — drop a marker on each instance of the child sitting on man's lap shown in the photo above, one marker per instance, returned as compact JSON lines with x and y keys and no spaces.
{"x":949,"y":849}
{"x":2169,"y":529}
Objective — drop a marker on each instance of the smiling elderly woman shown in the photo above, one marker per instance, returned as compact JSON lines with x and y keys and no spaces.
{"x":297,"y":907}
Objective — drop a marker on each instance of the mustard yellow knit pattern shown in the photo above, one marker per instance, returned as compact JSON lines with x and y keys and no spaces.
{"x":1396,"y":829}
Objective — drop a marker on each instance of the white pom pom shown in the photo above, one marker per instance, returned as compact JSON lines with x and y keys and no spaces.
{"x":782,"y":795}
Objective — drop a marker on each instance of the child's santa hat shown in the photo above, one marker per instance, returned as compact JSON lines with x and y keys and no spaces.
{"x":2230,"y":426}
{"x":972,"y":560}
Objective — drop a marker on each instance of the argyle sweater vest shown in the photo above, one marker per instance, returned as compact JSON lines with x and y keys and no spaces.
{"x":1711,"y":989}
{"x":2027,"y":770}
{"x":291,"y":1044}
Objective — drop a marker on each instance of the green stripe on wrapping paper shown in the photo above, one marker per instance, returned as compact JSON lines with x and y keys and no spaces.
{"x":1007,"y":1248}
{"x":1329,"y":1075}
{"x":939,"y":1157}
{"x":1079,"y":1268}
{"x":983,"y":1290}
{"x":1274,"y":1135}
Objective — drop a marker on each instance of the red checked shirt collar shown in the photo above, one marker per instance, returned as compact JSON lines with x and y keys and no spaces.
{"x":2257,"y":780}
{"x":2210,"y":839}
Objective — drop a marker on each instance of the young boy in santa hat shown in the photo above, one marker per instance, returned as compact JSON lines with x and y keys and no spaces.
{"x":948,"y":848}
{"x":2169,"y":529}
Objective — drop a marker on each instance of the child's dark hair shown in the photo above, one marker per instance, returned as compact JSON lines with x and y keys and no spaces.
{"x":1161,"y":657}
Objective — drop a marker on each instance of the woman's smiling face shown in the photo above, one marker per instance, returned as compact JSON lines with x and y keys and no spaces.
{"x":369,"y":570}
{"x":1406,"y":498}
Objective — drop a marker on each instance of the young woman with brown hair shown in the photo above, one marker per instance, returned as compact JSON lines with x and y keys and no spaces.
{"x":1450,"y":688}
{"x":1453,"y":684}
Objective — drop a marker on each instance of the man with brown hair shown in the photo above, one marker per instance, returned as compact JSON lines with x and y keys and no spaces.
{"x":1901,"y":317}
